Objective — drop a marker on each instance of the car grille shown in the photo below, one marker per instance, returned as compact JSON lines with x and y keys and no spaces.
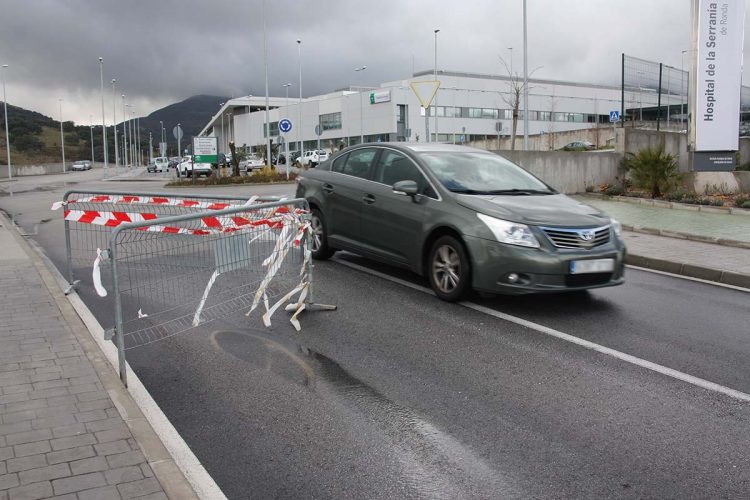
{"x":577,"y":238}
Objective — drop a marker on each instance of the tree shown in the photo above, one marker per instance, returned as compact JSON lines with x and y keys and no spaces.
{"x":237,"y":157}
{"x":516,"y":87}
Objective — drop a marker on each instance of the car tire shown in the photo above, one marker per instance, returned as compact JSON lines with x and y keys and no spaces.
{"x":448,"y":269}
{"x":319,"y":242}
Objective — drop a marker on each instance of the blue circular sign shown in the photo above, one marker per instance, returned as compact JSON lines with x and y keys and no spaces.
{"x":285,"y":125}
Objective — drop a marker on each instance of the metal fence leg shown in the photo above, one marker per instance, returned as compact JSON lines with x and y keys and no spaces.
{"x":119,"y":331}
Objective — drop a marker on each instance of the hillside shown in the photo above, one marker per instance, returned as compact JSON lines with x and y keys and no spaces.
{"x":35,"y":138}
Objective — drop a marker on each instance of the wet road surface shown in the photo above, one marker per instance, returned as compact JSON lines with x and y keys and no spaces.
{"x":400,"y":395}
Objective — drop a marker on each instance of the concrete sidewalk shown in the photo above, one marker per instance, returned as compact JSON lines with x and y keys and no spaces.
{"x":712,"y":245}
{"x":62,"y":429}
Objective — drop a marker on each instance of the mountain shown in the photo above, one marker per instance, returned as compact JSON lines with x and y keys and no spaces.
{"x":192,"y":114}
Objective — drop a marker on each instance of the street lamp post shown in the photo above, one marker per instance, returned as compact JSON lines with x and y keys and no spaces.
{"x":437,"y":136}
{"x":125,"y":133}
{"x":286,"y":141}
{"x":104,"y":123}
{"x":138,"y":138}
{"x":91,"y":129}
{"x":301,"y":136}
{"x":179,"y":150}
{"x":7,"y":136}
{"x":114,"y":124}
{"x":265,"y":68}
{"x":361,"y":110}
{"x":161,"y":138}
{"x":525,"y":83}
{"x":511,"y":62}
{"x":62,"y":137}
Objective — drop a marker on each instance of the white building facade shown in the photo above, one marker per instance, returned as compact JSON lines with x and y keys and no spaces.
{"x":466,"y":107}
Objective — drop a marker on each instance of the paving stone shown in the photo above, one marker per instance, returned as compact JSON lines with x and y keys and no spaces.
{"x":68,"y":430}
{"x":26,"y":463}
{"x":124,"y":475}
{"x":8,"y":481}
{"x":107,"y":493}
{"x":90,"y":416}
{"x":31,"y":491}
{"x":23,"y":450}
{"x":25,"y":405}
{"x":56,"y":421}
{"x":70,"y":454}
{"x":123,"y":459}
{"x":112,"y":448}
{"x":44,"y":474}
{"x":6,"y":452}
{"x":18,"y":416}
{"x":154,"y":496}
{"x":28,"y":437}
{"x":84,"y":389}
{"x":91,"y":396}
{"x":15,"y":427}
{"x":139,"y":488}
{"x":146,"y":470}
{"x":106,"y":425}
{"x":97,"y":404}
{"x":72,"y":441}
{"x":78,"y":483}
{"x":17,"y":389}
{"x":94,"y":464}
{"x":112,"y":435}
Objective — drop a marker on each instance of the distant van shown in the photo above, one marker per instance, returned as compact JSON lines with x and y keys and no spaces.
{"x":161,"y":163}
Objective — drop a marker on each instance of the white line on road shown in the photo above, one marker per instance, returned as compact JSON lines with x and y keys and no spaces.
{"x":690,"y":278}
{"x":669,"y":372}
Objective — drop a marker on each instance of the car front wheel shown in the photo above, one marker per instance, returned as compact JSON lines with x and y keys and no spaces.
{"x":449,"y":269}
{"x":319,"y":240}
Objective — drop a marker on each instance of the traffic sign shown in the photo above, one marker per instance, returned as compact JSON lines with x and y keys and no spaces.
{"x":177,"y":132}
{"x":205,"y":150}
{"x":425,"y":91}
{"x":317,"y":130}
{"x":614,"y":116}
{"x":285,"y":125}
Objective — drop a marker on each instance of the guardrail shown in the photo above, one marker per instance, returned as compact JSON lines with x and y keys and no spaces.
{"x":175,"y":263}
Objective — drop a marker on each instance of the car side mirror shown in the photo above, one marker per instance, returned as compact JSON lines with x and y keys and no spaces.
{"x":408,"y":188}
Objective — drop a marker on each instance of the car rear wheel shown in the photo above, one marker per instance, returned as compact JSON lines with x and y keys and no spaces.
{"x":319,"y":240}
{"x":449,"y":269}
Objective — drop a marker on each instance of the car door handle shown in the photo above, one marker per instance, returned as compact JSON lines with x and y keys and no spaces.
{"x":369,"y":199}
{"x":327,"y":189}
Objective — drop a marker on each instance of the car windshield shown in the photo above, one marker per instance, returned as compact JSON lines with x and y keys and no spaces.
{"x":482,"y":173}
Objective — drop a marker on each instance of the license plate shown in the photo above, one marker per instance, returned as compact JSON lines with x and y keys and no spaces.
{"x":592,"y":266}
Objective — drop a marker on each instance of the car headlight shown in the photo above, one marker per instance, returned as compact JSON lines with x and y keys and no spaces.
{"x":616,"y":226}
{"x":512,"y":233}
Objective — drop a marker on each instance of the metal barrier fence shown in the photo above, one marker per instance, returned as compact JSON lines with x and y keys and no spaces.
{"x":653,"y":92}
{"x":176,"y":262}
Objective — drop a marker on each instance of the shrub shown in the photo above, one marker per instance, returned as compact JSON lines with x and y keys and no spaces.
{"x":741,"y":200}
{"x":744,"y":167}
{"x":745,"y":205}
{"x":589,"y":188}
{"x":652,"y":169}
{"x":676,"y":196}
{"x":614,"y":191}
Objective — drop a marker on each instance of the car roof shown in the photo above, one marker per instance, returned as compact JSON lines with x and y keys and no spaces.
{"x":429,"y":147}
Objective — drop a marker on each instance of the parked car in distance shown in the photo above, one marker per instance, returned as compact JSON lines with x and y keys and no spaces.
{"x":173,"y":162}
{"x":160,"y":164}
{"x":466,"y":218}
{"x":579,"y":146}
{"x":81,"y":165}
{"x":186,"y":168}
{"x":293,"y":155}
{"x":252,"y":162}
{"x":313,"y":158}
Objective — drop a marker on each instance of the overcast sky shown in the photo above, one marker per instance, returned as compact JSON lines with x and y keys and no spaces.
{"x":163,"y":51}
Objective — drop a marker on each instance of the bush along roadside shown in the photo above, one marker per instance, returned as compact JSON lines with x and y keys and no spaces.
{"x":265,"y":176}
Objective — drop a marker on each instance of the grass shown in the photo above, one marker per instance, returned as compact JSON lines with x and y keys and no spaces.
{"x":265,"y":176}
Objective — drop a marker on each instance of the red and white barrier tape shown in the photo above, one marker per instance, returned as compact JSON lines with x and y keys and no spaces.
{"x":153,"y":200}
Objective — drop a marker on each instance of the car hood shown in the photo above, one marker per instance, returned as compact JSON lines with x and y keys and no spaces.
{"x":554,"y":210}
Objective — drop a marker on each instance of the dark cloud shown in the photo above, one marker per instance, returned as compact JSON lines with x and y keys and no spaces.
{"x":164,"y":51}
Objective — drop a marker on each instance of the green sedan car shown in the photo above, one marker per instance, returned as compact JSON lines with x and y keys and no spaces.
{"x":464,"y":217}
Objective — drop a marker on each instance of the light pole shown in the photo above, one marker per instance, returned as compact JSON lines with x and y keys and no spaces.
{"x":682,"y":77}
{"x":265,"y":68}
{"x":161,"y":138}
{"x":525,"y":83}
{"x":640,"y":98}
{"x":437,"y":136}
{"x":91,"y":129}
{"x":125,"y":133}
{"x":179,"y":150}
{"x":286,"y":141}
{"x":138,"y":136}
{"x":361,"y":110}
{"x":104,"y":123}
{"x":511,"y":62}
{"x":223,"y":137}
{"x":114,"y":124}
{"x":301,"y":136}
{"x":62,"y":137}
{"x":7,"y":136}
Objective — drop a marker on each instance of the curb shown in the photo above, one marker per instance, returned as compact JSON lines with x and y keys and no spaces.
{"x":137,"y":416}
{"x":687,"y":236}
{"x":670,"y":204}
{"x":690,"y":270}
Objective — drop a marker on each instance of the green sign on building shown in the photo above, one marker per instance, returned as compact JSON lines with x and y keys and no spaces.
{"x":205,"y":150}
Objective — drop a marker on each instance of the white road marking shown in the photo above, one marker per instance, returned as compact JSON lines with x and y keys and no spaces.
{"x":669,"y":372}
{"x":690,"y":278}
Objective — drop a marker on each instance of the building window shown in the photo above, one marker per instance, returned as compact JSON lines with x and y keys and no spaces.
{"x":274,"y":129}
{"x":330,"y":121}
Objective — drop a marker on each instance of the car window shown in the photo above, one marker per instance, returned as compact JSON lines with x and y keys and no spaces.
{"x":358,"y":162}
{"x":338,"y":164}
{"x":394,"y":167}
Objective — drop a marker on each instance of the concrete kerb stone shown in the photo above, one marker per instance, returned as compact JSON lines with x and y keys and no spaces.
{"x":670,"y":204}
{"x":692,"y":271}
{"x":687,"y":236}
{"x":173,"y":481}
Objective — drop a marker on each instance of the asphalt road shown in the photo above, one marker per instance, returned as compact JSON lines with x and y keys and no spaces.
{"x":399,"y":395}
